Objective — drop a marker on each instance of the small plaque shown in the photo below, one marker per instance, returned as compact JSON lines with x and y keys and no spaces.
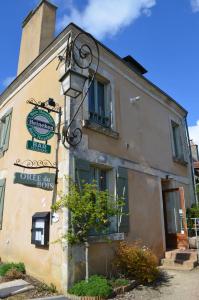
{"x":39,"y":147}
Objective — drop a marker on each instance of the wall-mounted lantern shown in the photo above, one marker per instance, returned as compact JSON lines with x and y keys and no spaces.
{"x":40,"y":229}
{"x":79,"y":55}
{"x":72,"y":83}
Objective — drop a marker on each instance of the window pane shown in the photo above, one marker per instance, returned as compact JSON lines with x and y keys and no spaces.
{"x":2,"y":129}
{"x":102,"y":180}
{"x":101,"y":100}
{"x":177,"y":141}
{"x":100,"y":177}
{"x":91,"y":98}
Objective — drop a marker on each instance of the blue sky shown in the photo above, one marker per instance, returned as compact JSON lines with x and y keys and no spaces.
{"x":162,"y":35}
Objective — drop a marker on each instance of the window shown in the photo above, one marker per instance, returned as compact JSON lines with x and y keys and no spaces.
{"x":2,"y":193}
{"x":178,"y":148}
{"x":100,"y":176}
{"x":5,"y":125}
{"x":99,"y":103}
{"x":111,"y":179}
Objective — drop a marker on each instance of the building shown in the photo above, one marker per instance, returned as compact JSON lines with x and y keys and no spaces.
{"x":134,"y":142}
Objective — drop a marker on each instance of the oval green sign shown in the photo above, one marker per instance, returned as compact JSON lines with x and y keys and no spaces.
{"x":40,"y":124}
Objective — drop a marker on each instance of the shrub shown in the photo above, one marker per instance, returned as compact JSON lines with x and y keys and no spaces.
{"x":192,"y":212}
{"x":136,"y":262}
{"x":13,"y":273}
{"x":4,"y":268}
{"x":119,"y":282}
{"x":96,"y":286}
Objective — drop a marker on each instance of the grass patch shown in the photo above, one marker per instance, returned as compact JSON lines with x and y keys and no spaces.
{"x":96,"y":286}
{"x":5,"y":267}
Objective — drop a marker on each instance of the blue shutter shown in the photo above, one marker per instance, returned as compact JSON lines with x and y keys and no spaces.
{"x":6,"y":130}
{"x":2,"y":193}
{"x":82,"y":172}
{"x":122,"y":191}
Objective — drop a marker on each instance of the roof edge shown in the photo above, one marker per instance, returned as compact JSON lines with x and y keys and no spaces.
{"x":68,"y":28}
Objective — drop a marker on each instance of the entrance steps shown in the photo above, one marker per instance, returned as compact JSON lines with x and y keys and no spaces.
{"x":180,"y":260}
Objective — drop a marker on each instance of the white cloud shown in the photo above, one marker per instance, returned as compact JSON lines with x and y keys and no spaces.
{"x":195,"y":5}
{"x":105,"y":17}
{"x":194,"y":133}
{"x":7,"y":81}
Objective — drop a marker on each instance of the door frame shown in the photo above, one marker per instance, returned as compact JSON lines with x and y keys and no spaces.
{"x":181,"y":238}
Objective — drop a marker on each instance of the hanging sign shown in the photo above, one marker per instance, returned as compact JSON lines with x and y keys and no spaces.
{"x":45,"y":181}
{"x":40,"y":124}
{"x":39,"y":147}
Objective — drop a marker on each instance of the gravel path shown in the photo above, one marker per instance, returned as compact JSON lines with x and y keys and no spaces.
{"x":175,"y":285}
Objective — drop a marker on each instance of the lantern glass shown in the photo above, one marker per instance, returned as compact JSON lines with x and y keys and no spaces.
{"x":72,"y":83}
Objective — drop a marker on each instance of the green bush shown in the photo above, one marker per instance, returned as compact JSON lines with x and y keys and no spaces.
{"x":136,"y":262}
{"x":192,"y":212}
{"x":119,"y":282}
{"x":4,"y":268}
{"x":96,"y":286}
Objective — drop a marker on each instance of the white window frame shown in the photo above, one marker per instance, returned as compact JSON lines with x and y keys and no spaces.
{"x":105,"y":77}
{"x":178,"y":122}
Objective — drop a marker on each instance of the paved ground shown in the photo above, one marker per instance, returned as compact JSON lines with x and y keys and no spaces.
{"x":176,"y":285}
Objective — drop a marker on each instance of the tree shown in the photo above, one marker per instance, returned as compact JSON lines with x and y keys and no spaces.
{"x":90,"y":210}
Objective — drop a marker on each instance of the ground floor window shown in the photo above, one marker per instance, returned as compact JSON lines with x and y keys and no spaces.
{"x":107,"y":178}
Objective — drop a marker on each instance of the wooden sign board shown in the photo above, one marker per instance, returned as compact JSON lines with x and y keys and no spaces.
{"x":45,"y":181}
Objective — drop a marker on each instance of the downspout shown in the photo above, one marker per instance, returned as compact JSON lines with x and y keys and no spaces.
{"x":191,"y":161}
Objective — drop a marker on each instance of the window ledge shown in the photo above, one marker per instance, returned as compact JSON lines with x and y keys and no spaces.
{"x":108,"y":237}
{"x":101,"y":129}
{"x":180,"y":161}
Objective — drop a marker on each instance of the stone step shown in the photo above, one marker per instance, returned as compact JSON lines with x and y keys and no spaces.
{"x":181,"y":255}
{"x":178,"y":264}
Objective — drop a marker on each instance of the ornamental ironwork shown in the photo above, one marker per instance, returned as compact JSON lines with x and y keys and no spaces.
{"x":79,"y":56}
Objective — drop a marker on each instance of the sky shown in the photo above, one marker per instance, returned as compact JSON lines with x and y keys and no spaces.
{"x":163,"y":35}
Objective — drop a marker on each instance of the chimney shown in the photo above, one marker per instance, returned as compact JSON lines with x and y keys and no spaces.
{"x":37,"y":33}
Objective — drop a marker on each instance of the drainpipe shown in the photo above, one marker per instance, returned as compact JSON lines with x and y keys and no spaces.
{"x":191,"y":161}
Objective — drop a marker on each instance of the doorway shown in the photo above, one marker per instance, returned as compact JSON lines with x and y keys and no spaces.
{"x":176,"y":234}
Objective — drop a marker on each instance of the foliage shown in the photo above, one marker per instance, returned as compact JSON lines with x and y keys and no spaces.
{"x":119,"y":282}
{"x":5,"y":267}
{"x":48,"y":288}
{"x":13,"y":274}
{"x":96,"y":286}
{"x":90,"y":208}
{"x":192,"y":212}
{"x":197,"y":188}
{"x":136,"y":262}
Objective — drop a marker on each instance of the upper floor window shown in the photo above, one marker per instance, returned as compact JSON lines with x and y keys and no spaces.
{"x":99,"y":103}
{"x":177,"y":142}
{"x":5,"y":125}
